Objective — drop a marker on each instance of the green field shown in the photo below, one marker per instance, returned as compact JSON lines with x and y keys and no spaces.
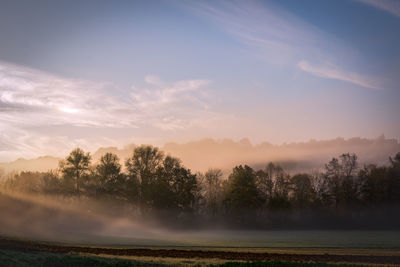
{"x":283,"y":239}
{"x":302,"y":243}
{"x":378,"y":240}
{"x":24,"y":258}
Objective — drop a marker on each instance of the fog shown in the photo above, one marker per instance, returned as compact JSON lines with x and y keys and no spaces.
{"x":225,"y":154}
{"x":294,"y":157}
{"x":69,"y":220}
{"x":86,"y":222}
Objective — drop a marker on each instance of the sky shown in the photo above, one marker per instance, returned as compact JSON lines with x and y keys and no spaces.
{"x":97,"y":73}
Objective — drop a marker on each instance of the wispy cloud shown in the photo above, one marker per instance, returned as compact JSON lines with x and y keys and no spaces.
{"x":282,"y":38}
{"x":34,"y":103}
{"x":153,"y":79}
{"x":330,"y":71}
{"x":390,"y":6}
{"x":171,"y":106}
{"x":165,"y":94}
{"x":277,"y":35}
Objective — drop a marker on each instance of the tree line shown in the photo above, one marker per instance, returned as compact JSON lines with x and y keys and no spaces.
{"x":343,"y":194}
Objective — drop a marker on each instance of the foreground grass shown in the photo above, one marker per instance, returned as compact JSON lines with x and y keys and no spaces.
{"x":18,"y":258}
{"x":30,"y":258}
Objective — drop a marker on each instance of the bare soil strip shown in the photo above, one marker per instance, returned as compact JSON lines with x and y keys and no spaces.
{"x":177,"y":253}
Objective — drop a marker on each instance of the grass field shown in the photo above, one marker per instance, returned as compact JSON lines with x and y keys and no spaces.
{"x":354,"y":240}
{"x":19,"y":258}
{"x":17,"y":252}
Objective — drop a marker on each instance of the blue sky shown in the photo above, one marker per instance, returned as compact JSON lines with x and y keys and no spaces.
{"x":98,"y":73}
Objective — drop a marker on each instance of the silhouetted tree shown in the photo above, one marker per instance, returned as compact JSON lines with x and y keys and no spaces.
{"x":341,"y":179}
{"x":141,"y":168}
{"x":374,"y":185}
{"x":394,"y":179}
{"x":75,"y":168}
{"x":160,"y":190}
{"x":164,"y":182}
{"x":242,"y":192}
{"x":52,"y":183}
{"x":213,"y":191}
{"x":265,"y":183}
{"x":108,"y":178}
{"x":183,"y":182}
{"x":303,"y":191}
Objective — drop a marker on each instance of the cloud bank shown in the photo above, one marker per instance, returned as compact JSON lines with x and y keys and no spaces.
{"x":42,"y":113}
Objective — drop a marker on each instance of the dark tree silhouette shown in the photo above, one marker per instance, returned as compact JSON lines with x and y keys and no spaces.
{"x":212,"y":187}
{"x":141,"y":168}
{"x":108,"y":179}
{"x":342,"y":186}
{"x":242,"y":191}
{"x":75,"y":168}
{"x":303,"y":191}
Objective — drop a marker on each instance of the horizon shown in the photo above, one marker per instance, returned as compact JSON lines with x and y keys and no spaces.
{"x":220,"y":141}
{"x":205,"y":154}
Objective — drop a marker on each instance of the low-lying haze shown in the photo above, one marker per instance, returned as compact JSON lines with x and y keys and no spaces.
{"x":226,"y":153}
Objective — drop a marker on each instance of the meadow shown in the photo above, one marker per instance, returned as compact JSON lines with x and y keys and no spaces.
{"x":241,"y":248}
{"x":23,"y":258}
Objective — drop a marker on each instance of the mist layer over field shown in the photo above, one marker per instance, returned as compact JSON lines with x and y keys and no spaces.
{"x":225,"y":154}
{"x":63,"y":220}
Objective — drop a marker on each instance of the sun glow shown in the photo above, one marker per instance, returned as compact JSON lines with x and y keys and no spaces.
{"x":68,"y":110}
